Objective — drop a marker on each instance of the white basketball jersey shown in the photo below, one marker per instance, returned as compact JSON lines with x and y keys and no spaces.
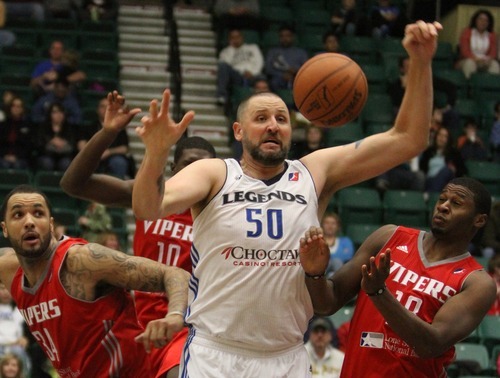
{"x":247,"y":289}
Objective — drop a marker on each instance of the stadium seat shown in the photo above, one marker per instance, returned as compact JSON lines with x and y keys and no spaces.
{"x":406,"y":208}
{"x":312,"y":42}
{"x":471,"y":352}
{"x":48,"y":182}
{"x":346,"y":134}
{"x":276,"y":15}
{"x":489,"y":331}
{"x":358,"y":232}
{"x":12,"y":178}
{"x":341,"y":316}
{"x":484,"y":85}
{"x":376,"y":77}
{"x":487,"y":172}
{"x":456,"y":77}
{"x":363,"y":50}
{"x":378,"y":109}
{"x":68,"y":218}
{"x":359,"y":205}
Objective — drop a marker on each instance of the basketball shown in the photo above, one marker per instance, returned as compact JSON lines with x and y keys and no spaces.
{"x":330,"y":90}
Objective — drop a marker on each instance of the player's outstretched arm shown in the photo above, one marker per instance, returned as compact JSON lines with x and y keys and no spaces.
{"x":454,"y":321}
{"x":8,"y":266}
{"x":338,"y":167}
{"x":80,"y":181}
{"x":159,"y":133}
{"x":330,"y":295}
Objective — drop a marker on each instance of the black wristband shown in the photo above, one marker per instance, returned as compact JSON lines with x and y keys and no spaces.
{"x":378,"y":292}
{"x":315,"y":276}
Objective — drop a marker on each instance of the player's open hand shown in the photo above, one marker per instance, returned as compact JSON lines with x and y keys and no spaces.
{"x":159,"y":131}
{"x":373,"y":277}
{"x":159,"y":332}
{"x":420,"y":40}
{"x":314,"y":253}
{"x":117,"y":115}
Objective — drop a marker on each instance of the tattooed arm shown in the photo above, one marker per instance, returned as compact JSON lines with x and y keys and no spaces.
{"x":92,"y":267}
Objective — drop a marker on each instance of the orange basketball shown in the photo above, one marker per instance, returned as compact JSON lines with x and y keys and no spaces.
{"x":330,"y":90}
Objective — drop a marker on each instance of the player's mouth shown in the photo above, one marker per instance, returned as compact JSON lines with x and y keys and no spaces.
{"x":438,"y":219}
{"x":31,"y":237}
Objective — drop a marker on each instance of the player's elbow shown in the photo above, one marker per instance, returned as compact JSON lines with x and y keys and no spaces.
{"x":68,"y":186}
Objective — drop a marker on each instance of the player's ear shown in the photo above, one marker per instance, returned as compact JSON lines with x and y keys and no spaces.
{"x":480,"y":220}
{"x":238,"y":132}
{"x":4,"y":230}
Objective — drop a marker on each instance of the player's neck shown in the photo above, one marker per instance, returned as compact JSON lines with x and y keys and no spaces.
{"x":35,"y":267}
{"x":437,"y":249}
{"x":258,"y":171}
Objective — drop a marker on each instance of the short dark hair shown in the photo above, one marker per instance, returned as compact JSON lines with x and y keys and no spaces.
{"x":482,"y":197}
{"x":491,"y":20}
{"x":22,"y":189}
{"x":193,"y":142}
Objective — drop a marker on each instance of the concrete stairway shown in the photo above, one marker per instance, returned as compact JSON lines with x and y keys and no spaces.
{"x":199,"y":67}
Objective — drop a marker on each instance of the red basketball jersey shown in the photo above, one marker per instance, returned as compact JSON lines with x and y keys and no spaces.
{"x":373,"y":348}
{"x":168,"y":241}
{"x":81,"y":338}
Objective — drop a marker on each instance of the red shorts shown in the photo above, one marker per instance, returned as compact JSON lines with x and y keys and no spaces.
{"x":164,"y":359}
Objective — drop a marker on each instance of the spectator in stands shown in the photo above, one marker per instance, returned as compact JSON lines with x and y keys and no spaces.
{"x":12,"y":337}
{"x":94,"y":221}
{"x":470,"y":144}
{"x":99,"y":10}
{"x":478,"y":45}
{"x":11,"y":366}
{"x":56,"y":140}
{"x":60,"y":230}
{"x":7,"y":96}
{"x":494,"y":271}
{"x":116,"y":159}
{"x":314,"y":140}
{"x":236,"y":14}
{"x":32,"y":10}
{"x":70,"y":70}
{"x":396,"y":89}
{"x":341,"y":247}
{"x":261,"y":84}
{"x":346,"y":18}
{"x":61,"y":95}
{"x":495,"y":135}
{"x":441,"y":161}
{"x":283,"y":61}
{"x":239,"y":64}
{"x":387,"y":20}
{"x":7,"y":38}
{"x":326,"y":361}
{"x":109,"y":239}
{"x":15,"y":137}
{"x":44,"y":74}
{"x":490,"y":240}
{"x":331,"y":43}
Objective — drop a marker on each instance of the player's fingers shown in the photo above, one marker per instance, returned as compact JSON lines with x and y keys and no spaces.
{"x":187,"y":119}
{"x":153,"y":109}
{"x":165,"y":102}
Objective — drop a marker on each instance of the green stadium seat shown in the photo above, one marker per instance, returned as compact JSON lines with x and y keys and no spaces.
{"x":312,"y":42}
{"x":341,"y":316}
{"x":68,"y":218}
{"x":359,"y":205}
{"x":358,"y":232}
{"x":276,"y":14}
{"x":484,"y":86}
{"x":346,"y":134}
{"x":375,"y":75}
{"x":489,"y":331}
{"x":48,"y":182}
{"x":98,"y":40}
{"x":486,"y":172}
{"x":456,"y":77}
{"x":12,"y":178}
{"x":378,"y":109}
{"x":406,"y":208}
{"x":472,"y":352}
{"x":363,"y":50}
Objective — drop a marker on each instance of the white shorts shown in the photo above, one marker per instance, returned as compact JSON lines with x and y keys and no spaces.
{"x":203,"y":358}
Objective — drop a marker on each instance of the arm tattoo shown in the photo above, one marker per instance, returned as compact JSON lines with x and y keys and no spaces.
{"x":357,"y":144}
